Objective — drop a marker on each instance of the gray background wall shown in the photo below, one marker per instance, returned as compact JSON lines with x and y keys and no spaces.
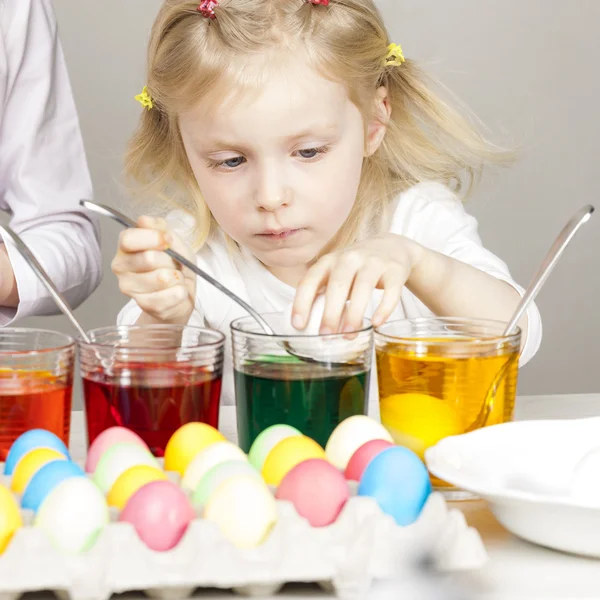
{"x":527,"y":69}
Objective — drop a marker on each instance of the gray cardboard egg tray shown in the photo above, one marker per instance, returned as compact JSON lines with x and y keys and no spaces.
{"x":362,"y":546}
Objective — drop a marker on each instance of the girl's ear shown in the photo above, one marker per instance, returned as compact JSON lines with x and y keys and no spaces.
{"x":377,"y":128}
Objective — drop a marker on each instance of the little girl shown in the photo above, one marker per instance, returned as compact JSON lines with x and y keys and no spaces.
{"x":304,"y":156}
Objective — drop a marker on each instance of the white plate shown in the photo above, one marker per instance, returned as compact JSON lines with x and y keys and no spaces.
{"x":525,"y":471}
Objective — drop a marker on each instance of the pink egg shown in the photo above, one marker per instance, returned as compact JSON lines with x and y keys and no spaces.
{"x":317,"y":489}
{"x":108,"y":438}
{"x":160,"y":513}
{"x":363,"y":456}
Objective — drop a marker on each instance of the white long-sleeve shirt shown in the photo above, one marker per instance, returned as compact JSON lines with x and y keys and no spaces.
{"x":428,"y":213}
{"x":43,"y":169}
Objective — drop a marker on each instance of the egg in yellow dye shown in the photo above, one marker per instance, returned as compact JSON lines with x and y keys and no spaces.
{"x":419,"y":421}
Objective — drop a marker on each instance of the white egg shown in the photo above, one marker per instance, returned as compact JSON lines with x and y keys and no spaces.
{"x":73,"y":515}
{"x":244,"y":510}
{"x":325,"y":349}
{"x":208,"y":458}
{"x":350,"y":435}
{"x":314,"y":320}
{"x":585,"y":481}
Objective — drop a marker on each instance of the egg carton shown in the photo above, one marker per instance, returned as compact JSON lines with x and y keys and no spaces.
{"x":362,"y":546}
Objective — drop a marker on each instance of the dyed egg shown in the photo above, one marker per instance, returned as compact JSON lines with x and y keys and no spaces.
{"x":350,"y":435}
{"x":363,"y":456}
{"x":244,"y":510}
{"x":186,"y":442}
{"x":399,"y":482}
{"x":218,"y":475}
{"x":10,"y":517}
{"x":46,"y":479}
{"x":266,"y":441}
{"x":130,"y":481}
{"x":108,"y":438}
{"x":318,"y":491}
{"x":73,"y":515}
{"x":30,"y":464}
{"x":160,"y":512}
{"x":287,"y":454}
{"x":419,"y":421}
{"x":206,"y":459}
{"x":117,"y":460}
{"x":34,"y":438}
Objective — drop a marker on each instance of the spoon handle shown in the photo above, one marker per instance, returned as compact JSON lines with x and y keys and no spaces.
{"x":37,"y":267}
{"x":107,"y":211}
{"x":554,"y":254}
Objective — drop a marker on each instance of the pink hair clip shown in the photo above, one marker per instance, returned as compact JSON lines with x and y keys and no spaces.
{"x":319,"y":2}
{"x":207,"y":8}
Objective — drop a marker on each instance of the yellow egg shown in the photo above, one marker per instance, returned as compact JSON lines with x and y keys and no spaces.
{"x":30,"y":464}
{"x":130,"y":481}
{"x":419,"y":421}
{"x":287,"y":454}
{"x":10,"y":517}
{"x":186,"y":442}
{"x":244,"y":510}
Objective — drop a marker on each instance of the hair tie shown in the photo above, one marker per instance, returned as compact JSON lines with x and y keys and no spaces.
{"x":319,"y":2}
{"x":394,"y":56}
{"x":145,"y":99}
{"x":207,"y":8}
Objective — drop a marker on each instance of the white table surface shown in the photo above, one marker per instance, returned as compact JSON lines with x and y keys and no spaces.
{"x":516,"y":569}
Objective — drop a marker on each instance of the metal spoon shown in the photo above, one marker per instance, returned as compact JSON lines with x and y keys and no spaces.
{"x":557,"y":249}
{"x":106,"y":211}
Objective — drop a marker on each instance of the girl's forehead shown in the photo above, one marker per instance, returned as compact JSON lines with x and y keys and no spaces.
{"x":289,"y":96}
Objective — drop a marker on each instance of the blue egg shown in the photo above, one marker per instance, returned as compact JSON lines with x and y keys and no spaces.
{"x":34,"y":438}
{"x":399,"y":481}
{"x":46,"y":479}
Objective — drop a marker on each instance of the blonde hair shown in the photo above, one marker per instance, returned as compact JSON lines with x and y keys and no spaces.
{"x":189,"y":56}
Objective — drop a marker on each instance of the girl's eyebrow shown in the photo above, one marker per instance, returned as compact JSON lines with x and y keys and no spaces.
{"x":217,"y":144}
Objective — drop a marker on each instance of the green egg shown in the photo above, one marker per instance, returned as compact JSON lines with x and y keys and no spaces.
{"x":218,"y":475}
{"x":266,"y":441}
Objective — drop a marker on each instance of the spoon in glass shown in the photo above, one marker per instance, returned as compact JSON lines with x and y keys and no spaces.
{"x":557,"y":249}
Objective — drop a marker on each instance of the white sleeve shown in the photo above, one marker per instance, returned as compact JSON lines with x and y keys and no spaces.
{"x":43,"y":170}
{"x":433,"y":216}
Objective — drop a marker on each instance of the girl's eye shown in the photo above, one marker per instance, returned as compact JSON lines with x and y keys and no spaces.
{"x":232,"y":163}
{"x":227,"y":165}
{"x":309,"y":153}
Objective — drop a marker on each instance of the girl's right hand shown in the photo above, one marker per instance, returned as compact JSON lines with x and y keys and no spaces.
{"x":162,"y":288}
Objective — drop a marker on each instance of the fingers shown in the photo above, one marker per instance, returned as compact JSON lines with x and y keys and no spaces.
{"x":171,"y":305}
{"x":393,"y":284}
{"x":341,"y":281}
{"x":308,"y":289}
{"x":365,"y":282}
{"x":149,"y":282}
{"x":151,"y":277}
{"x":349,"y":281}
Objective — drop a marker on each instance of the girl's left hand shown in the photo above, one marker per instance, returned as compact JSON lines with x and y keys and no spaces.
{"x":352,"y":274}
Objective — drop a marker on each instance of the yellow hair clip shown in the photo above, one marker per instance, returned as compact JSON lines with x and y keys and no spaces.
{"x":394,"y":57}
{"x":145,"y":99}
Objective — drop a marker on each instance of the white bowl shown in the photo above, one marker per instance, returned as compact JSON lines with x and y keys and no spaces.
{"x":531,"y":474}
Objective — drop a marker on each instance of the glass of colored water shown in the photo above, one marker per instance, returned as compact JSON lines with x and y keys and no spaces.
{"x":36,"y":383}
{"x":151,"y":379}
{"x":274,"y":387}
{"x":444,"y":376}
